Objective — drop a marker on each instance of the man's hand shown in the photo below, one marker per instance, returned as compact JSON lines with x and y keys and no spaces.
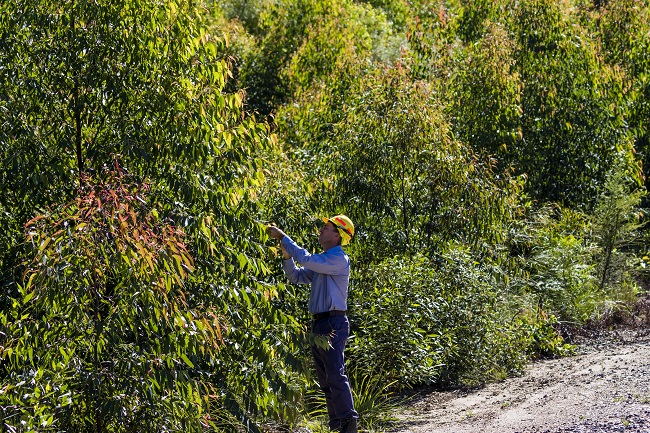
{"x":275,"y":232}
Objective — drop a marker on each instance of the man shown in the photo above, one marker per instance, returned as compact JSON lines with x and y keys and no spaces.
{"x":329,"y":275}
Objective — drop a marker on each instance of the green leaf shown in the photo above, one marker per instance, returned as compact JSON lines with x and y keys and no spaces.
{"x":187,"y":360}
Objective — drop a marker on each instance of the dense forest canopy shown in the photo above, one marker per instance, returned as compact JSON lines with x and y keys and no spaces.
{"x":491,"y":153}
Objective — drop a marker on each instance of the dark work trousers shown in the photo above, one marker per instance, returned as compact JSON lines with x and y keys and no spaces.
{"x":330,"y":370}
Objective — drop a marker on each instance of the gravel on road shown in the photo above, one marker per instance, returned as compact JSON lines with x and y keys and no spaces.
{"x":605,"y":387}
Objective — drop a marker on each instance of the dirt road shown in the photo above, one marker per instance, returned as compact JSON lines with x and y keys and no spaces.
{"x":604,"y":388}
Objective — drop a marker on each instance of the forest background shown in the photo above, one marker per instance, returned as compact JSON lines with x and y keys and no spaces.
{"x":490,"y":153}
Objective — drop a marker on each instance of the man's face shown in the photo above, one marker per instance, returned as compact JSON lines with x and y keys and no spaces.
{"x":328,"y":236}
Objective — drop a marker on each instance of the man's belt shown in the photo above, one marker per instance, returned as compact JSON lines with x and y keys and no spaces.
{"x":319,"y":316}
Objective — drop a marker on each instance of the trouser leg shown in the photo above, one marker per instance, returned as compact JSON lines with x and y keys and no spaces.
{"x":321,"y":375}
{"x":330,"y":369}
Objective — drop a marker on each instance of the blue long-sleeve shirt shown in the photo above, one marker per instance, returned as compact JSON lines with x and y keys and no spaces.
{"x":328,"y":273}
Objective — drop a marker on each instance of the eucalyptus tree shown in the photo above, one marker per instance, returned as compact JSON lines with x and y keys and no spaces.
{"x":132,"y":281}
{"x":529,"y":84}
{"x":624,"y":30}
{"x":396,"y":163}
{"x":485,"y":101}
{"x":573,"y":128}
{"x":301,"y":42}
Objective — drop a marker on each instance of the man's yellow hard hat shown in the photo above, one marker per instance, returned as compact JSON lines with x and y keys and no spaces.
{"x":344,"y":225}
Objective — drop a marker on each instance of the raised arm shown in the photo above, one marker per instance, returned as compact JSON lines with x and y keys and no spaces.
{"x":330,"y":263}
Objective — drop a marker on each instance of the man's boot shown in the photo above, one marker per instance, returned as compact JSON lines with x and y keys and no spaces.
{"x":349,"y":425}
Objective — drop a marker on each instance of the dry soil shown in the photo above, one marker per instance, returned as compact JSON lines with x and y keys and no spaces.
{"x":605,"y":387}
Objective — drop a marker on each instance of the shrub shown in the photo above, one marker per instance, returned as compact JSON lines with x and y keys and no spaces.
{"x":554,"y":272}
{"x":424,"y":321}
